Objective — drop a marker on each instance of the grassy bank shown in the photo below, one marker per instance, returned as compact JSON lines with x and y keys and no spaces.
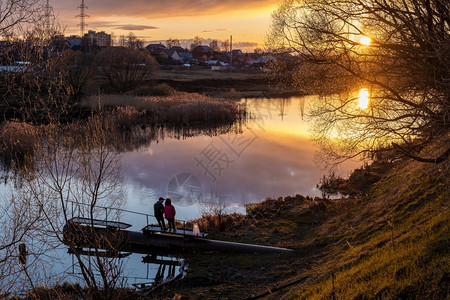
{"x":234,"y":85}
{"x":391,"y":243}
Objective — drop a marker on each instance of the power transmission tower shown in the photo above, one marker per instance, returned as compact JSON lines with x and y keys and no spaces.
{"x":82,"y":16}
{"x":48,"y":15}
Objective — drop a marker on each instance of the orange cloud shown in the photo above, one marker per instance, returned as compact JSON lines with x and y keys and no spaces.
{"x":158,"y":8}
{"x":172,"y":8}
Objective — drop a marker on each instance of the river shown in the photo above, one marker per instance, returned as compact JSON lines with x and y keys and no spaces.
{"x":270,"y":155}
{"x":273,"y":156}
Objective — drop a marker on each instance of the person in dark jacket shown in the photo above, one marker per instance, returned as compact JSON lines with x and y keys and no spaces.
{"x":169,"y":213}
{"x":159,"y":213}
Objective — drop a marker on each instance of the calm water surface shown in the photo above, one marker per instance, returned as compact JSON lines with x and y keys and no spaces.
{"x":272,"y":157}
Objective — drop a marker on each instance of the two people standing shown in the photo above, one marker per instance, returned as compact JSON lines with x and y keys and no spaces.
{"x":167,"y":210}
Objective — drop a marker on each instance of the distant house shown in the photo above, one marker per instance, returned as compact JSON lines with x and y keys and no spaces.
{"x":174,"y":55}
{"x":211,"y":62}
{"x":236,"y":52}
{"x":186,"y":57}
{"x":202,"y":53}
{"x":156,"y":49}
{"x":265,"y":59}
{"x":247,"y":60}
{"x":178,"y":48}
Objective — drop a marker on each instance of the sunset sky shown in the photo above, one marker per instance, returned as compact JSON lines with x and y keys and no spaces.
{"x":157,"y":20}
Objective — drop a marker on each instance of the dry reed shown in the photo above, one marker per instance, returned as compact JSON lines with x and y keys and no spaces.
{"x":182,"y":108}
{"x":18,"y":142}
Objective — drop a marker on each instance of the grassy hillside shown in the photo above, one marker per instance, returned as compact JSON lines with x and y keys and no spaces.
{"x":393,"y":242}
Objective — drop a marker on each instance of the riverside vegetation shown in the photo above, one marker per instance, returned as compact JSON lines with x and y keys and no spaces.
{"x":391,"y":241}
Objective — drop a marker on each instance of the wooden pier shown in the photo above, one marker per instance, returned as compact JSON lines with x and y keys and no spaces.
{"x":81,"y":234}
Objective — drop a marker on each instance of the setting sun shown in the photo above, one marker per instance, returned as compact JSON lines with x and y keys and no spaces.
{"x":363,"y":100}
{"x":365,"y":40}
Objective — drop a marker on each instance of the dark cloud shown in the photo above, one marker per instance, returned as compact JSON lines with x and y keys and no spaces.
{"x":134,"y":27}
{"x":127,"y":27}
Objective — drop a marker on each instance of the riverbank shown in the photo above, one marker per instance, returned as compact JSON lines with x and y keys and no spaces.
{"x":235,"y":85}
{"x":390,"y":242}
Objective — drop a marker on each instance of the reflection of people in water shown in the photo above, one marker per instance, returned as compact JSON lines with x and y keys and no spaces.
{"x":160,"y":274}
{"x":162,"y":270}
{"x":171,"y":271}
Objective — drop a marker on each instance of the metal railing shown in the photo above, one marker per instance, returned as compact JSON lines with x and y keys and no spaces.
{"x":118,"y":210}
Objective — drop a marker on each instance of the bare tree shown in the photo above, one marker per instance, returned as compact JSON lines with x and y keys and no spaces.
{"x":14,"y":14}
{"x":33,"y":86}
{"x":122,"y":40}
{"x":197,"y":42}
{"x":18,"y":223}
{"x":172,"y":43}
{"x":225,"y":45}
{"x":214,"y":45}
{"x":387,"y":65}
{"x":133,"y":41}
{"x":77,"y":69}
{"x":125,"y":68}
{"x":76,"y":175}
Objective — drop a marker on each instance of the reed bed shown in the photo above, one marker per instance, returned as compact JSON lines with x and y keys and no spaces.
{"x":18,"y":142}
{"x":182,"y":108}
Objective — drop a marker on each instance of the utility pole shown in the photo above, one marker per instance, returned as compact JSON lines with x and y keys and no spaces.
{"x":231,"y":53}
{"x":82,"y":16}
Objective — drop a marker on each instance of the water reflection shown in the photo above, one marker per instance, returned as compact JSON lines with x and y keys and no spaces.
{"x":168,"y":269}
{"x":267,"y":155}
{"x":270,"y":156}
{"x":142,"y":272}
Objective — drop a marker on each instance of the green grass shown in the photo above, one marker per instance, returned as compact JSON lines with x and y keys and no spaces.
{"x":392,"y":243}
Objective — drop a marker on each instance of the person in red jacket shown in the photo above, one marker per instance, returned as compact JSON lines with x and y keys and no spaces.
{"x":169,"y":213}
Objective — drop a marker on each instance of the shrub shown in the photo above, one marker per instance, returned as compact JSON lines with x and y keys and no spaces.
{"x":125,"y":68}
